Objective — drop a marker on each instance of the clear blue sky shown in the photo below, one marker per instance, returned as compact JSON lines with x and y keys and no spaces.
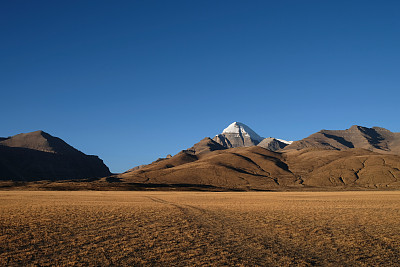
{"x":132,"y":81}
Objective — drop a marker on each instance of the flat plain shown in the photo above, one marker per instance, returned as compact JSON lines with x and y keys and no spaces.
{"x":199,"y":228}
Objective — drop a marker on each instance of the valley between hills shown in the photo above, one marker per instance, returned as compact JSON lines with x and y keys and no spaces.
{"x":238,"y":159}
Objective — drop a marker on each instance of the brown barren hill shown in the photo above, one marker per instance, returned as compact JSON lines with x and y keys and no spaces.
{"x":198,"y":150}
{"x":376,"y":139}
{"x":39,"y":155}
{"x":256,"y":168}
{"x":236,"y":168}
{"x":356,"y":167}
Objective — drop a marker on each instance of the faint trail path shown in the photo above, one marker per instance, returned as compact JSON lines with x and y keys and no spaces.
{"x":243,"y":245}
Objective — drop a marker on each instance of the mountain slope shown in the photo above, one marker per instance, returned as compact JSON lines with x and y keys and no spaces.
{"x":40,"y":141}
{"x":198,"y":150}
{"x":272,"y":144}
{"x":358,"y":157}
{"x":256,"y":168}
{"x":349,"y":168}
{"x":38,"y":156}
{"x":205,"y":146}
{"x":236,"y":168}
{"x":374,"y":139}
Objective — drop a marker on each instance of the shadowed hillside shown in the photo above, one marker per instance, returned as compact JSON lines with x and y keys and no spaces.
{"x":353,"y":167}
{"x":240,"y":168}
{"x":376,"y":139}
{"x":38,"y":156}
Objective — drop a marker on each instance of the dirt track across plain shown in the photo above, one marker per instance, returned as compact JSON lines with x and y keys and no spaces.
{"x":197,"y":228}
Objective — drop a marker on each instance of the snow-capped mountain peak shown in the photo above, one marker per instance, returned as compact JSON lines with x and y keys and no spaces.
{"x":284,"y":141}
{"x":240,"y":128}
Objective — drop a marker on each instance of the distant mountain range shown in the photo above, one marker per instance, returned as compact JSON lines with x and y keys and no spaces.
{"x":236,"y":159}
{"x":239,"y":158}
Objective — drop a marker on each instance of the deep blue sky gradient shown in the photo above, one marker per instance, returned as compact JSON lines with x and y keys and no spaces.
{"x":132,"y":81}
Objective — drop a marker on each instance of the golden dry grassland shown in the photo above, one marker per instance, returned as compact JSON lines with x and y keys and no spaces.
{"x":196,"y":228}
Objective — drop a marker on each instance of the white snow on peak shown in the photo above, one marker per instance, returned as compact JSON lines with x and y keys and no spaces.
{"x":284,"y":141}
{"x":238,"y":127}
